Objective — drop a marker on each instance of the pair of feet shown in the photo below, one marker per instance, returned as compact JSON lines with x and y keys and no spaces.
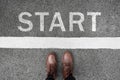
{"x":67,"y":63}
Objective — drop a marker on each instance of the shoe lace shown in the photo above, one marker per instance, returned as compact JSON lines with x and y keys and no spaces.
{"x":67,"y":70}
{"x":52,"y":70}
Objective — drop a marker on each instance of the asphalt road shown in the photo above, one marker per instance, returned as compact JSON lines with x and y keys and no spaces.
{"x":29,"y":64}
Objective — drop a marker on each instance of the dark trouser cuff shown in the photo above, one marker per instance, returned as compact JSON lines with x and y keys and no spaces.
{"x":70,"y":77}
{"x":50,"y":77}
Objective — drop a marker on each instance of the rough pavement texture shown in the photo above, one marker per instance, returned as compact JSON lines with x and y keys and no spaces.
{"x":29,"y":64}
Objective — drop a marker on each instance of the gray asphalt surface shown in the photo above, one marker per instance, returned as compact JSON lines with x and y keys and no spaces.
{"x":29,"y":64}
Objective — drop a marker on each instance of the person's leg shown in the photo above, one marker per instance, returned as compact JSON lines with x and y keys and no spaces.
{"x":70,"y":77}
{"x":67,"y":62}
{"x":51,"y":65}
{"x":50,"y":77}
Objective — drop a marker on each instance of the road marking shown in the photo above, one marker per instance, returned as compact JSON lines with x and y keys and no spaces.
{"x":61,"y":42}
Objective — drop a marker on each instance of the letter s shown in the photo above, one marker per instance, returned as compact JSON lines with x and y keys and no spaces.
{"x":22,"y":20}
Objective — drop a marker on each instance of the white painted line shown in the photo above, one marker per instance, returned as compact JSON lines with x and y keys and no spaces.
{"x":60,"y":42}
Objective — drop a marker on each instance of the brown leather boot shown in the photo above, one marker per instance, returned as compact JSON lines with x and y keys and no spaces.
{"x":67,"y":62}
{"x":51,"y":65}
